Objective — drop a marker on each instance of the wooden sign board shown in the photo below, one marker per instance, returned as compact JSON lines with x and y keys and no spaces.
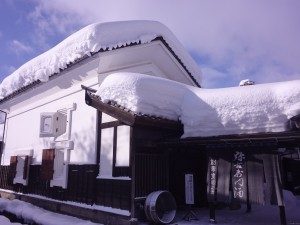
{"x":189,"y":189}
{"x":239,"y":177}
{"x":212,"y":174}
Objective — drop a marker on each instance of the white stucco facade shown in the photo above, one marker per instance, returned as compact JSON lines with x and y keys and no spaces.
{"x":63,"y":93}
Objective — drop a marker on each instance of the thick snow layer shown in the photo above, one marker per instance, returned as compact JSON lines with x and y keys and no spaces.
{"x":31,"y":213}
{"x":206,"y":112}
{"x":6,"y":221}
{"x":91,"y":39}
{"x":95,"y":207}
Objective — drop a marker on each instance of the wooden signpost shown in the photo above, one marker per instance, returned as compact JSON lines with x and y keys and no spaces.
{"x":189,"y":197}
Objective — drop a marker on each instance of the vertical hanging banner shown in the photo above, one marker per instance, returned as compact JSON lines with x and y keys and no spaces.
{"x":189,"y":189}
{"x":255,"y":175}
{"x":212,"y":174}
{"x":223,"y":181}
{"x":239,"y":177}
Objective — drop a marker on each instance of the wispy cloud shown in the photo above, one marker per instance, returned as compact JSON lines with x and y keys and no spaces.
{"x":48,"y":22}
{"x":258,"y":39}
{"x":19,"y":48}
{"x":213,"y":77}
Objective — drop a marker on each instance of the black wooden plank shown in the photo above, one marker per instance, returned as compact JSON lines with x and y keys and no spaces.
{"x":111,"y":124}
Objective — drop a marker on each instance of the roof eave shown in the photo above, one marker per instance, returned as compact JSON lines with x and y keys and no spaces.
{"x":38,"y":82}
{"x":126,"y":116}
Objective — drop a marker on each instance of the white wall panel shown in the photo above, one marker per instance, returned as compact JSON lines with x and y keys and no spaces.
{"x":106,"y":155}
{"x":123,"y":146}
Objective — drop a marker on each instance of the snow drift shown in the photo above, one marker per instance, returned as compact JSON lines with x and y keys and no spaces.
{"x":31,"y":213}
{"x":91,"y":39}
{"x":206,"y":112}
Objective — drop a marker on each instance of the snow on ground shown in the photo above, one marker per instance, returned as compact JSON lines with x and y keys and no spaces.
{"x":38,"y":215}
{"x":206,"y":112}
{"x":91,"y":39}
{"x":5,"y":221}
{"x":79,"y":204}
{"x":83,"y":205}
{"x":259,"y":216}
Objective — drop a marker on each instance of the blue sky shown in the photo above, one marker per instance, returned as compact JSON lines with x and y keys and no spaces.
{"x":230,"y":40}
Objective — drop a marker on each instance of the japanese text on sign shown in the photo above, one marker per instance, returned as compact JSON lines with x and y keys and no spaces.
{"x":213,"y":175}
{"x":238,"y":179}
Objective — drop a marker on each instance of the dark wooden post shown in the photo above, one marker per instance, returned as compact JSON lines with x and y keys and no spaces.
{"x":273,"y":179}
{"x":249,"y":208}
{"x":282,"y":215}
{"x":12,"y":168}
{"x":97,"y":168}
{"x":26,"y":166}
{"x":132,"y":165}
{"x":212,"y":213}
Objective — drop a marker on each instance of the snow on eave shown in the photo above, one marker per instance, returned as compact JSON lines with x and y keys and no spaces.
{"x":128,"y":116}
{"x":90,"y":40}
{"x":252,"y":109}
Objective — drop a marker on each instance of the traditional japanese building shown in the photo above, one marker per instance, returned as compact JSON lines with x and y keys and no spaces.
{"x":64,"y":142}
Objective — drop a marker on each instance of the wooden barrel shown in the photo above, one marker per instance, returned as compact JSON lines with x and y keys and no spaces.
{"x":160,"y":207}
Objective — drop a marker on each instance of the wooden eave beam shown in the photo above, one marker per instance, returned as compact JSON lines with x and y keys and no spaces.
{"x":282,"y":139}
{"x":158,"y":123}
{"x":113,"y":111}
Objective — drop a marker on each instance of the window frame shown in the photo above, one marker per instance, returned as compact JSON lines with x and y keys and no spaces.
{"x":4,"y":126}
{"x":117,"y":171}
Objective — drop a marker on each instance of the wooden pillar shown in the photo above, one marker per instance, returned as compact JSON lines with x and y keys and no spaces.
{"x":273,"y":179}
{"x":282,"y":215}
{"x":212,"y":213}
{"x":249,"y":208}
{"x":132,"y":165}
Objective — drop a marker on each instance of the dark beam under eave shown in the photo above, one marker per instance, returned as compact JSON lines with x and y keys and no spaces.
{"x":283,"y":139}
{"x":124,"y":116}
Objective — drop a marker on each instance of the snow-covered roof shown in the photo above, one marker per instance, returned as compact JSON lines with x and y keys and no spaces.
{"x":206,"y":112}
{"x":92,"y":39}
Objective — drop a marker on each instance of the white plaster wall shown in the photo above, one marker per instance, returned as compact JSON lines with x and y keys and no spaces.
{"x":107,"y":118}
{"x":23,"y":119}
{"x":106,"y":157}
{"x":23,"y":130}
{"x":123,"y":146}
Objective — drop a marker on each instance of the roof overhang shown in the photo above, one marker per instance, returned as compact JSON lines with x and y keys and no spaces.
{"x":126,"y":116}
{"x":86,"y":57}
